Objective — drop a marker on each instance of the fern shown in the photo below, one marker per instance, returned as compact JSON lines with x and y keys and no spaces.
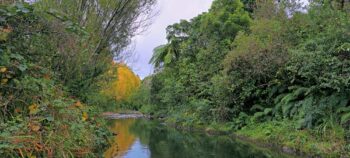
{"x":345,"y":118}
{"x":289,"y":103}
{"x":342,"y":110}
{"x":313,"y":109}
{"x":256,"y":107}
{"x":267,"y":111}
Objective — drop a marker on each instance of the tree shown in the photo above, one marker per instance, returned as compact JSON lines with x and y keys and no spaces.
{"x":194,"y":53}
{"x":111,"y":23}
{"x":125,"y":83}
{"x":107,"y":27}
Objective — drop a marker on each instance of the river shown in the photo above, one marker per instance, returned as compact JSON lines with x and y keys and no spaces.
{"x":141,"y":138}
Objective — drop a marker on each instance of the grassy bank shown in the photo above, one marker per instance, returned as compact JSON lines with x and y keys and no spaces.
{"x":280,"y":136}
{"x":315,"y":143}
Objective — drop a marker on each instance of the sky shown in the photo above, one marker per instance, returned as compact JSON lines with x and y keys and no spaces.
{"x":168,"y":13}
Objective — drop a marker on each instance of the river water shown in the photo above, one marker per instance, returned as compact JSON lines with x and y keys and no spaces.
{"x":140,"y":138}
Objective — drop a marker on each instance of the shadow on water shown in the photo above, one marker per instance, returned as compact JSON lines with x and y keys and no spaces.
{"x":139,"y":138}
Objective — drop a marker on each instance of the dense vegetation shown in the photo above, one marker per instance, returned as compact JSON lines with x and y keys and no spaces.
{"x":269,"y":70}
{"x":56,"y":57}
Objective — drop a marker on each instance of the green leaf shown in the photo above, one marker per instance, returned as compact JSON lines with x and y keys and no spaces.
{"x":345,"y":118}
{"x":3,"y":36}
{"x":267,"y":111}
{"x":22,"y":67}
{"x":343,"y":109}
{"x":50,"y":118}
{"x":16,"y":56}
{"x":256,"y":107}
{"x":168,"y":58}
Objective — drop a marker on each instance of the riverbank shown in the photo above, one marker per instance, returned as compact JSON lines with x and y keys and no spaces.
{"x":276,"y":136}
{"x":280,"y":136}
{"x":152,"y":137}
{"x":304,"y":142}
{"x":258,"y":144}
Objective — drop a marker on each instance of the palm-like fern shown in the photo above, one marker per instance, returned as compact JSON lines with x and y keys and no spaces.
{"x":312,"y":108}
{"x":165,"y":54}
{"x":159,"y":54}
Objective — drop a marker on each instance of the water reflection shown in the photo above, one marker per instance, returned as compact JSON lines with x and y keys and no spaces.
{"x":124,"y":139}
{"x":148,"y":139}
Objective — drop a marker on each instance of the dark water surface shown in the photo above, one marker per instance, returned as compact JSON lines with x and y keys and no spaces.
{"x":139,"y":138}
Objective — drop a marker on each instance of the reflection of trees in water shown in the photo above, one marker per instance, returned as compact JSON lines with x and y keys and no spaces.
{"x":124,"y":139}
{"x":166,"y":142}
{"x":169,"y":143}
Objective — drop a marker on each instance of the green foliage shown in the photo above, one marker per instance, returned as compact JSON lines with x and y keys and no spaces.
{"x":36,"y":114}
{"x":285,"y":133}
{"x":192,"y":56}
{"x":281,"y":67}
{"x":252,"y":65}
{"x":50,"y":78}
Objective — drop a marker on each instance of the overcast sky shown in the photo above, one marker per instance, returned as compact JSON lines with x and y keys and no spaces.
{"x":169,"y":12}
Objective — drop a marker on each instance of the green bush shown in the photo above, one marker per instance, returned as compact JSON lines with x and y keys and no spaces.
{"x":37,"y":116}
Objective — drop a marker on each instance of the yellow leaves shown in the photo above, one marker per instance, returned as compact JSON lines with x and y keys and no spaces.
{"x":125,"y":84}
{"x":35,"y":128}
{"x":78,"y":104}
{"x":4,"y":32}
{"x":85,"y":116}
{"x":33,"y":109}
{"x":4,"y":81}
{"x":6,"y":76}
{"x":3,"y":69}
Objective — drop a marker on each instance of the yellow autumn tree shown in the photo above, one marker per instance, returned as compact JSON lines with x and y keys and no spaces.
{"x":124,"y":84}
